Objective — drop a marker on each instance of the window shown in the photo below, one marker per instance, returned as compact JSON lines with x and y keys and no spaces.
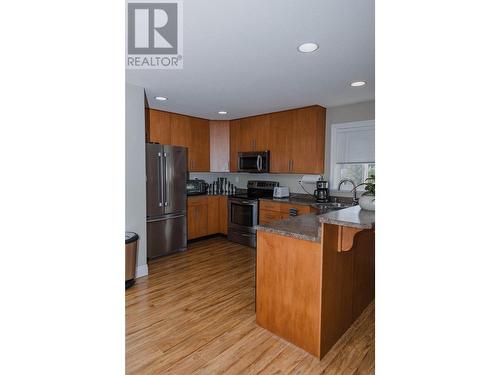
{"x":356,"y":172}
{"x":352,"y":153}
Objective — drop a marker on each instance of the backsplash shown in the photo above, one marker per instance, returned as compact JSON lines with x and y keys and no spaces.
{"x":240,"y":180}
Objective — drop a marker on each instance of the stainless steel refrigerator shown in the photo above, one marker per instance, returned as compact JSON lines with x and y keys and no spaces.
{"x":166,"y":169}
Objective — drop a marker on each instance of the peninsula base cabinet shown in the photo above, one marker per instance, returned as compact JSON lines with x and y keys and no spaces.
{"x":207,"y":214}
{"x":310,"y":293}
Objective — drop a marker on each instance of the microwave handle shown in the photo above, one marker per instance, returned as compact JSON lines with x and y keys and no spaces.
{"x":259,"y":163}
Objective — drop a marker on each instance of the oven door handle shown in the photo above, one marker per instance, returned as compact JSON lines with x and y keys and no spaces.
{"x":246,"y":202}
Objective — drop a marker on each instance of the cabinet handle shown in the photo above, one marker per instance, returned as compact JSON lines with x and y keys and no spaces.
{"x":292,"y":164}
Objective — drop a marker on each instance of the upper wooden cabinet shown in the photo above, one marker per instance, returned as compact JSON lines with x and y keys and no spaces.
{"x":219,"y":146}
{"x":199,"y":148}
{"x":295,"y":138}
{"x":158,"y":127}
{"x":254,"y":133}
{"x":181,"y":130}
{"x":306,"y":140}
{"x":234,"y":144}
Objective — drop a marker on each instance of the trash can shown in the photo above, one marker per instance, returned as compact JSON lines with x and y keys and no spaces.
{"x":131,"y":239}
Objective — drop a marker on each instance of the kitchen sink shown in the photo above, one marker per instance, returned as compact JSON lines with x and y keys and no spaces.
{"x":334,"y":206}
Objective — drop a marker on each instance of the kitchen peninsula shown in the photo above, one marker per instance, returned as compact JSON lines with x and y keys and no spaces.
{"x":315,"y":275}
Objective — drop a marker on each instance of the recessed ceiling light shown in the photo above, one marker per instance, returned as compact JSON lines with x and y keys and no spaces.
{"x":162,"y":98}
{"x":358,"y":83}
{"x":222,"y":113}
{"x":308,"y":47}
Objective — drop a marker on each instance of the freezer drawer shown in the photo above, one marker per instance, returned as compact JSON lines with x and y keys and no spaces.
{"x":167,"y":235}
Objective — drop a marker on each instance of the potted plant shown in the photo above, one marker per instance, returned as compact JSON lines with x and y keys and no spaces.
{"x":367,"y":199}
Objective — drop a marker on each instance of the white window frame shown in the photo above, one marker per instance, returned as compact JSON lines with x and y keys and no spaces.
{"x":334,"y":171}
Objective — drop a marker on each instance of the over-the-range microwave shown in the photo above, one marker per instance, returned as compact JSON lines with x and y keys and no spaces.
{"x":254,"y":162}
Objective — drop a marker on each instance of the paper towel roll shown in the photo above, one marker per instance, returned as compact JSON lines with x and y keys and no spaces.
{"x":310,"y":178}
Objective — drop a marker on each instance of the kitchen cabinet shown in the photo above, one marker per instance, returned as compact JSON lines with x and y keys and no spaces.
{"x":207,"y":214}
{"x":158,"y":127}
{"x":219,"y":146}
{"x":213,"y":214}
{"x":298,"y":140}
{"x":234,"y":144}
{"x":280,"y":141}
{"x":272,"y":211}
{"x":254,"y":133}
{"x":181,"y":130}
{"x":199,"y":147}
{"x":197,"y":217}
{"x":295,"y":138}
{"x":223,"y":214}
{"x":307,"y":140}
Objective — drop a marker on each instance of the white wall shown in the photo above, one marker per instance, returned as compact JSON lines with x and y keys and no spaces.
{"x":334,"y":115}
{"x":135,"y":171}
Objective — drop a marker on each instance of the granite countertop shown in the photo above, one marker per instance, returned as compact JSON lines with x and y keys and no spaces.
{"x":308,"y":227}
{"x":353,"y":217}
{"x":303,"y":227}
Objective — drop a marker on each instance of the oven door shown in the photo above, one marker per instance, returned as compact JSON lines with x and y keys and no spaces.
{"x":243,"y":214}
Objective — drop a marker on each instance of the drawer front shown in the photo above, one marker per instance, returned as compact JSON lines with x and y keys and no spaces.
{"x":300,"y":209}
{"x":270,"y":206}
{"x":197,"y":201}
{"x":267,"y":216}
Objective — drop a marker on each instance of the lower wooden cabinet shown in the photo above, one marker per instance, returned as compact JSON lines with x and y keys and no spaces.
{"x":197,"y":217}
{"x":213,"y":214}
{"x":207,"y":214}
{"x":223,"y":214}
{"x":272,"y":211}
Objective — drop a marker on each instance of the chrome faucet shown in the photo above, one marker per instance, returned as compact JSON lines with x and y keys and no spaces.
{"x":353,"y":190}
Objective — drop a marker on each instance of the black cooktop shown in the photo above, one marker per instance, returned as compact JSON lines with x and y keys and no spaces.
{"x":258,"y":189}
{"x":254,"y":194}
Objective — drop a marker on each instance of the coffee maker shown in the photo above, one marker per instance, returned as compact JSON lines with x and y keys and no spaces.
{"x":322,"y":192}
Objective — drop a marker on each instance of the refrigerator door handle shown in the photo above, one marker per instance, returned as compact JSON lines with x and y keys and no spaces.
{"x":160,"y":176}
{"x":166,"y":181}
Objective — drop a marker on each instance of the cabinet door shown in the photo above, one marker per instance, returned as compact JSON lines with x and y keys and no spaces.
{"x":202,"y":221}
{"x":158,"y":127}
{"x":308,"y":140}
{"x":197,"y":217}
{"x":280,"y":138}
{"x":234,"y":144}
{"x":181,"y":130}
{"x":191,"y":216}
{"x":259,"y":126}
{"x":213,"y":214}
{"x":223,"y":214}
{"x":246,"y":135}
{"x":254,"y":133}
{"x":219,"y":146}
{"x":199,"y":145}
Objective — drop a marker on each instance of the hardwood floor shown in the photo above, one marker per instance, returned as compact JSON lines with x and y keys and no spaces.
{"x":195,"y":314}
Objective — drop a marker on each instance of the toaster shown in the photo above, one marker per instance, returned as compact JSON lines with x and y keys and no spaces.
{"x":281,"y":192}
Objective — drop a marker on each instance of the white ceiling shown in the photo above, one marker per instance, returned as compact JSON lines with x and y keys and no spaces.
{"x":241,"y":57}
